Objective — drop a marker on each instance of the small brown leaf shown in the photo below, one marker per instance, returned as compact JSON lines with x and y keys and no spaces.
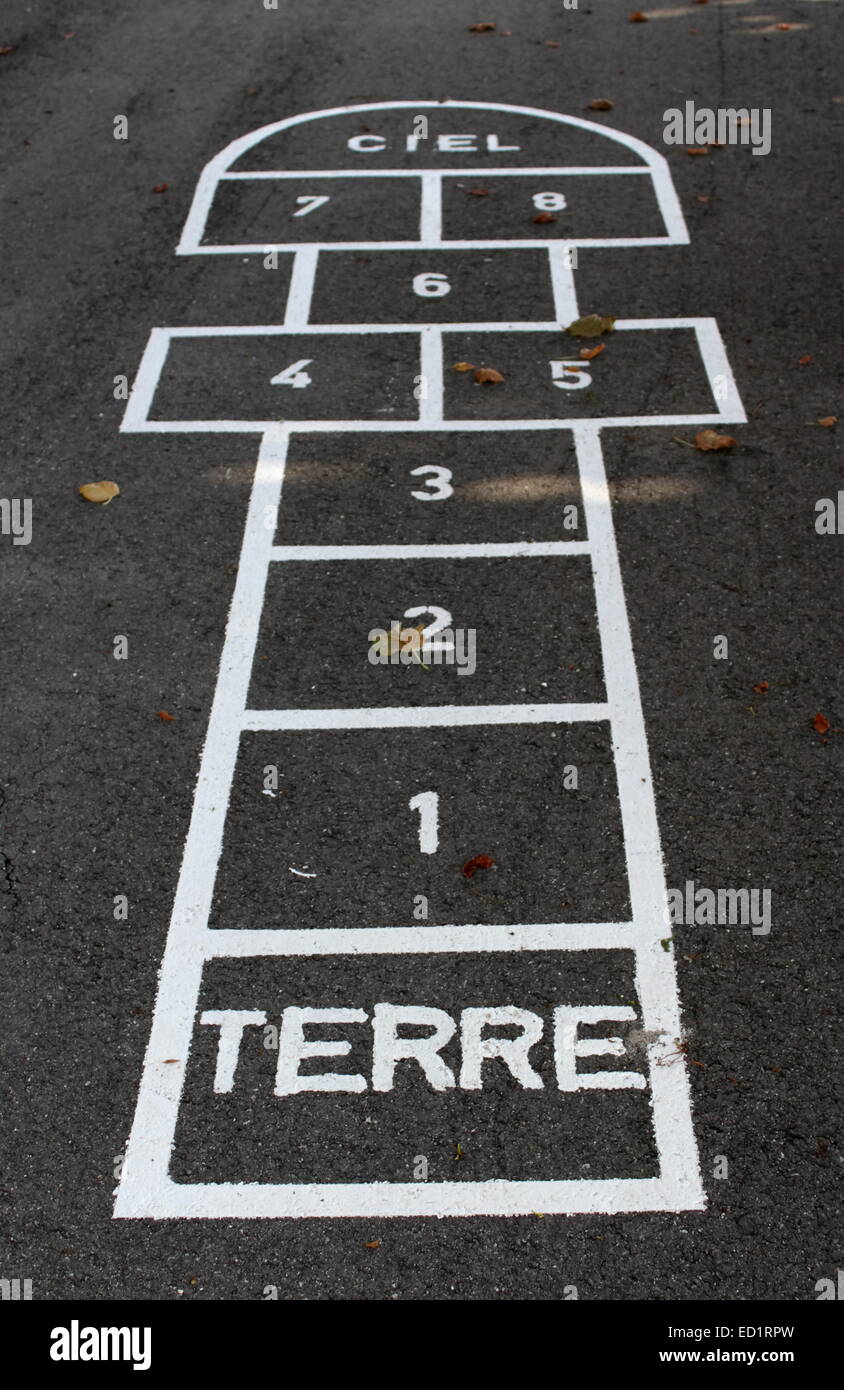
{"x":638,"y":18}
{"x":168,"y":1061}
{"x":761,"y":688}
{"x":804,"y":361}
{"x":99,"y":492}
{"x":828,"y":421}
{"x":551,"y":43}
{"x":591,"y":326}
{"x":782,"y":26}
{"x":480,"y":861}
{"x":821,"y":724}
{"x":478,"y":192}
{"x":9,"y":48}
{"x":161,"y":188}
{"x":545,"y":217}
{"x":600,"y":104}
{"x":707,"y":440}
{"x":483,"y":28}
{"x":703,"y":197}
{"x":463,"y":367}
{"x":588,"y":353}
{"x":698,"y":149}
{"x":372,"y":1245}
{"x":488,"y":374}
{"x":164,"y":716}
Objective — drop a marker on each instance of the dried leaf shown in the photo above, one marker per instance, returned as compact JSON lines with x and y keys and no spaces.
{"x":638,"y":18}
{"x":463,"y":367}
{"x":164,"y":716}
{"x":488,"y":374}
{"x":782,"y":26}
{"x":480,"y":861}
{"x":99,"y":492}
{"x":545,"y":217}
{"x":161,"y":188}
{"x":478,"y":192}
{"x":481,"y":28}
{"x":698,"y":149}
{"x":591,"y":326}
{"x":804,"y":361}
{"x":703,"y":197}
{"x":828,"y":421}
{"x":372,"y":1245}
{"x":600,"y":104}
{"x":551,"y":43}
{"x":761,"y":688}
{"x":10,"y":48}
{"x":588,"y":353}
{"x":707,"y":440}
{"x":821,"y":724}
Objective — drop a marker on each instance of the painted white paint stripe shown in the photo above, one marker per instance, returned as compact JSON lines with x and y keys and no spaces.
{"x":410,"y":426}
{"x":420,"y":716}
{"x":245,"y":1201}
{"x":390,"y":941}
{"x":148,"y":1152}
{"x":431,"y":371}
{"x":562,"y":284}
{"x":430,"y":218}
{"x":539,"y":171}
{"x":255,"y":248}
{"x":301,"y":288}
{"x":655,"y":976}
{"x":486,"y":550}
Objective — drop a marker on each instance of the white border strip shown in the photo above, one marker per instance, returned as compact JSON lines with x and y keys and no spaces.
{"x":482,"y":550}
{"x":420,"y":716}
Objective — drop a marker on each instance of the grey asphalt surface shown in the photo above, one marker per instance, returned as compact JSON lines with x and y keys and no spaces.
{"x":98,"y":790}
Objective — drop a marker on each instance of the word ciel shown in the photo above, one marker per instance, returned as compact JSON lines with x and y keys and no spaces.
{"x":483,"y":1048}
{"x":371,"y":143}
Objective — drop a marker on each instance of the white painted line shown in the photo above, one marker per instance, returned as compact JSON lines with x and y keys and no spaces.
{"x":562,"y":283}
{"x":655,"y":975}
{"x":255,"y":248}
{"x":430,"y":219}
{"x":540,"y":171}
{"x":301,"y":289}
{"x":421,"y":716}
{"x":481,"y":550}
{"x":431,"y":385}
{"x":245,"y":1201}
{"x":390,"y":941}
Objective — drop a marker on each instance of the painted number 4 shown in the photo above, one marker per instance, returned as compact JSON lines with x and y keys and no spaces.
{"x":294,"y":375}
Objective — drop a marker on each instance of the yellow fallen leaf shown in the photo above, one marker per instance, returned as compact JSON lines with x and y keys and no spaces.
{"x":488,"y":374}
{"x":99,"y":492}
{"x":706,"y":440}
{"x":464,"y":367}
{"x":591,"y":326}
{"x":828,"y":421}
{"x":588,"y":353}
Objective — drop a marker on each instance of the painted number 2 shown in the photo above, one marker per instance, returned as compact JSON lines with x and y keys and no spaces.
{"x":428,"y":806}
{"x":438,"y":480}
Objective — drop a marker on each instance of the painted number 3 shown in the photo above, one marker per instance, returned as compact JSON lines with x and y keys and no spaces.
{"x":438,"y":481}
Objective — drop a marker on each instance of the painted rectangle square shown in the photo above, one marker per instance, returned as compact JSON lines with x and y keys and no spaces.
{"x":287,"y":376}
{"x":469,"y":1120}
{"x":285,"y":211}
{"x":433,"y":286}
{"x":533,"y":619}
{"x":320,"y":832}
{"x":580,"y":206}
{"x":430,"y":488}
{"x":640,"y":372}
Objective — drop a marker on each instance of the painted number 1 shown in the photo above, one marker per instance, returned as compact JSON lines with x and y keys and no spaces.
{"x":428,"y":806}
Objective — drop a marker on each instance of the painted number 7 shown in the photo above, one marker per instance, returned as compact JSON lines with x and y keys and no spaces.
{"x":310,"y":202}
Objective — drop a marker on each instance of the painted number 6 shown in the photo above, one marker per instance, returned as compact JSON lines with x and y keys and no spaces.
{"x":438,"y":480}
{"x":430,"y":285}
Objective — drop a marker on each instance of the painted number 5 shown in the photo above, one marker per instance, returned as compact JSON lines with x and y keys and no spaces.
{"x":570,"y":376}
{"x":438,"y":480}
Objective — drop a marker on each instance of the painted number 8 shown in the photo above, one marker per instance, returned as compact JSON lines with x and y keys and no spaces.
{"x":549,"y":202}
